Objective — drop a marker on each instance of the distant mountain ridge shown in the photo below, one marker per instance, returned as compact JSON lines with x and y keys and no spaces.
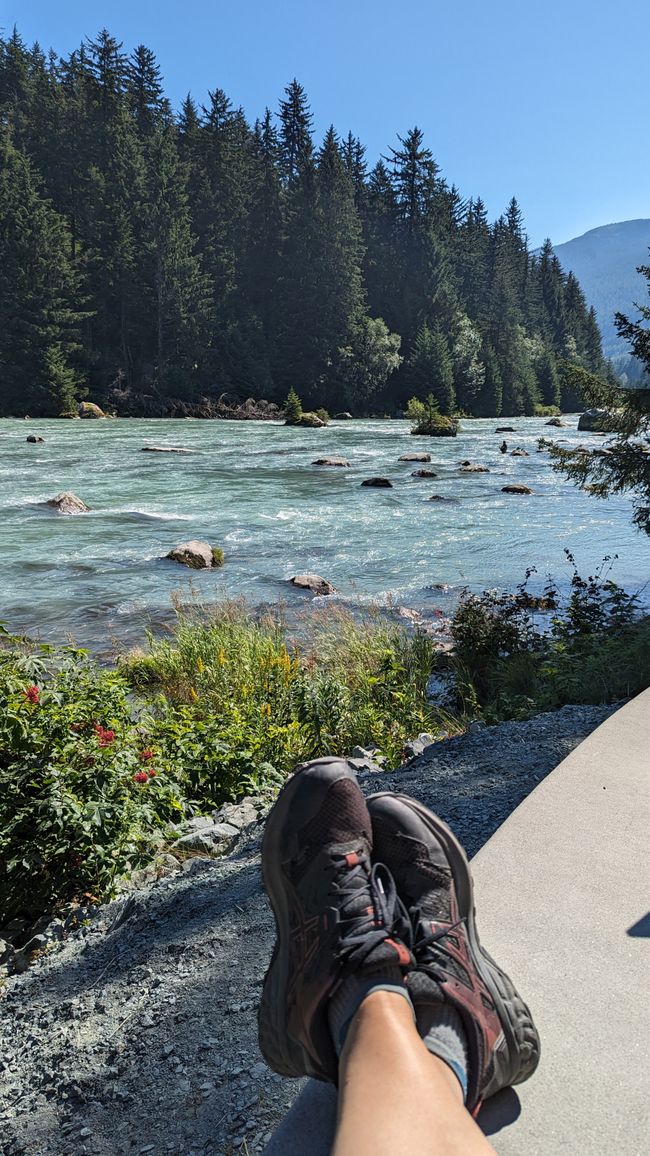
{"x":605,"y":260}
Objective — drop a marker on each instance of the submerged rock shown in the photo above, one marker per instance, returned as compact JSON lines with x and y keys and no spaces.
{"x":378,"y":483}
{"x":167,"y":450}
{"x":424,"y":474}
{"x":197,"y":555}
{"x":468,"y":468}
{"x":415,"y":458}
{"x":67,"y":503}
{"x":312,"y":582}
{"x":331,"y":462}
{"x":441,"y":498}
{"x":514,"y":489}
{"x":505,"y":429}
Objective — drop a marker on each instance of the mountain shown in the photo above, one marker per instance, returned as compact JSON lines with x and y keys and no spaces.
{"x":605,"y":260}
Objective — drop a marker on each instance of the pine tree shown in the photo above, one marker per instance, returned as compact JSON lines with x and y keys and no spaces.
{"x":429,"y":369}
{"x":296,"y":123}
{"x":38,"y":321}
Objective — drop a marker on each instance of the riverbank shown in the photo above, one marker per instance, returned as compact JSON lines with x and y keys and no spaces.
{"x":138,"y":1033}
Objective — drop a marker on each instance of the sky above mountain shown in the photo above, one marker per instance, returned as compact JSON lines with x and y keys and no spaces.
{"x":545,"y":102}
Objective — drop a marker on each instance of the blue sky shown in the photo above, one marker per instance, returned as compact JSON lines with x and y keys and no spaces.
{"x":546,"y":101}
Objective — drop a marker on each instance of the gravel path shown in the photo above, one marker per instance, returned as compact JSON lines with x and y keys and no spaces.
{"x":138,"y":1034}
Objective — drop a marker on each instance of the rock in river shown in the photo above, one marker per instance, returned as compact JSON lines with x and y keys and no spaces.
{"x":468,"y":468}
{"x":331,"y":462}
{"x":167,"y":450}
{"x":89,"y":409}
{"x":313,"y":582}
{"x":593,"y":420}
{"x":515,"y":490}
{"x":34,"y":438}
{"x":423,"y":474}
{"x":415,"y":458}
{"x":67,"y":503}
{"x":379,"y":483}
{"x":505,"y":429}
{"x":197,"y":555}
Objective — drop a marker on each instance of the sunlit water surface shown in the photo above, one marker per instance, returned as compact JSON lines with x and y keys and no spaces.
{"x":251,"y":488}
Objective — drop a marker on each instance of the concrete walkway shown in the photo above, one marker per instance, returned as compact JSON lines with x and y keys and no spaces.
{"x":563,"y":899}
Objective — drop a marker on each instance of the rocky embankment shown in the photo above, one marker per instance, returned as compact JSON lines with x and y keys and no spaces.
{"x":137,"y":1033}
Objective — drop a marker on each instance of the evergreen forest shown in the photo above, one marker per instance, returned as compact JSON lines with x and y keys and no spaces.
{"x":157,"y":260}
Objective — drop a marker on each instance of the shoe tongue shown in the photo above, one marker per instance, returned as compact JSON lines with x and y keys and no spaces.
{"x":423,"y":989}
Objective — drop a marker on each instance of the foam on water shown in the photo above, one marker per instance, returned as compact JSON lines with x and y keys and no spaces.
{"x":252,"y":488}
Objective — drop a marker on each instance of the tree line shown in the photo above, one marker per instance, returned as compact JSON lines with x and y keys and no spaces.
{"x":156,"y":260}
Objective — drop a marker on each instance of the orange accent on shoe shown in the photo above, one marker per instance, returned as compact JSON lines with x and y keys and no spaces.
{"x":403,"y":953}
{"x":352,"y":859}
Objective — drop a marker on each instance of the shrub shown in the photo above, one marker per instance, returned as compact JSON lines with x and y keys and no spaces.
{"x":585,"y":648}
{"x":74,"y":815}
{"x":428,"y":419}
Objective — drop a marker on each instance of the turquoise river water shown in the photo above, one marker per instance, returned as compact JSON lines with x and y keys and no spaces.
{"x":250,"y":487}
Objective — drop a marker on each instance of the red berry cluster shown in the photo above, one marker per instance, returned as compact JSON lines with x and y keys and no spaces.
{"x":33,"y":695}
{"x":105,"y":736}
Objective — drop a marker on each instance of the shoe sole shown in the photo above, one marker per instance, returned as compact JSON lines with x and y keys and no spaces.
{"x":281,"y":1051}
{"x":516,"y":1056}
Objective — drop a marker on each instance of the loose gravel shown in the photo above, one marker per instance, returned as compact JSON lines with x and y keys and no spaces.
{"x":137,"y":1034}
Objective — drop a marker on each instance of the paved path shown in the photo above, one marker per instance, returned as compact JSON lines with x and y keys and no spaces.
{"x":563,"y":899}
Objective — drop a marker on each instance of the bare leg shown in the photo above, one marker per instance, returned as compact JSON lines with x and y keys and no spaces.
{"x":396,"y":1097}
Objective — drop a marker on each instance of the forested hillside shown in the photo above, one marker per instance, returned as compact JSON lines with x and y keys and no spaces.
{"x":151,"y":258}
{"x":605,"y":260}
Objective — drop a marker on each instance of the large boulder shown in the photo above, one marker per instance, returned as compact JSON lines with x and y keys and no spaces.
{"x":515,"y":489}
{"x":312,"y":582}
{"x":439,"y":426}
{"x":89,"y":409}
{"x":593,"y":420}
{"x":197,"y":555}
{"x":331,"y":462}
{"x":211,"y":839}
{"x":378,"y":483}
{"x":309,"y":420}
{"x":34,"y":438}
{"x":67,"y":503}
{"x":415,"y":458}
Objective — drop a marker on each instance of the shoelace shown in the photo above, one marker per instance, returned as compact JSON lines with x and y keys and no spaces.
{"x":426,"y":940}
{"x":378,"y":920}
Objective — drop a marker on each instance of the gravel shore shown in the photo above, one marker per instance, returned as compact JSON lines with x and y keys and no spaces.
{"x":138,"y":1033}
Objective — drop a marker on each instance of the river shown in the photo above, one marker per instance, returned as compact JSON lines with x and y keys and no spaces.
{"x":250,"y":487}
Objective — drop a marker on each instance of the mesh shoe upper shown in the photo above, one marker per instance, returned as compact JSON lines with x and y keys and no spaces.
{"x":334,"y":912}
{"x":446,"y":969}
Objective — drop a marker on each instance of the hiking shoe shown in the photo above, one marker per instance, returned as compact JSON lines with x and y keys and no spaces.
{"x":335,"y":914}
{"x":434,"y":882}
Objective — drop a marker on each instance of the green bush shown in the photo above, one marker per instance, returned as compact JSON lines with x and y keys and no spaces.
{"x":427,"y":418}
{"x":82,"y":794}
{"x":517,"y":654}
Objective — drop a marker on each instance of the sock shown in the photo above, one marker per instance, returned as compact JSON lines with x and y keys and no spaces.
{"x":442,"y":1031}
{"x":349,"y":995}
